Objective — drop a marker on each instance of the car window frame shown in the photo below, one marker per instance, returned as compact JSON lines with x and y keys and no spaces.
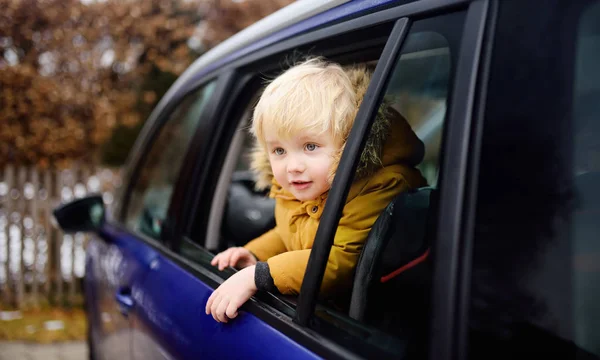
{"x":451,"y":266}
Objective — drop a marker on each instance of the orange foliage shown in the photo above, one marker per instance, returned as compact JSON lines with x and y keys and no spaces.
{"x":73,"y":70}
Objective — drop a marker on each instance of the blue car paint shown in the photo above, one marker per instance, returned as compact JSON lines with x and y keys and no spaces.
{"x":170,"y":320}
{"x":116,"y":263}
{"x":167,"y":320}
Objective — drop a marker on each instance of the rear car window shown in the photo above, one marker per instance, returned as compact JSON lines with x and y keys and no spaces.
{"x":151,"y":193}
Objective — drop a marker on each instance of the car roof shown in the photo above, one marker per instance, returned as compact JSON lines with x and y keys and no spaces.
{"x":296,"y":18}
{"x":281,"y":19}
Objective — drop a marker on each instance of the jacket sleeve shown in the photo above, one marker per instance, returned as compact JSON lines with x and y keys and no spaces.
{"x":358,"y":216}
{"x":267,"y":245}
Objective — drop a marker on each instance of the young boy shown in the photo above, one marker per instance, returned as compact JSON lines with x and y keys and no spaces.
{"x":301,"y":124}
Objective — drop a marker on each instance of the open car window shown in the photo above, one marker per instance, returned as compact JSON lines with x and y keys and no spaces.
{"x":389,"y":301}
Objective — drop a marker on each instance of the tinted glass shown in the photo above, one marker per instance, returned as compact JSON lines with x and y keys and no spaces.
{"x":151,"y":193}
{"x":418,"y":89}
{"x":536,"y":272}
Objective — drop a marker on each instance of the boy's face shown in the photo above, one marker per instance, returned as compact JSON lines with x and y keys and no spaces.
{"x":301,"y":164}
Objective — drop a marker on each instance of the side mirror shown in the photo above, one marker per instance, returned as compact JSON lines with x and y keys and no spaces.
{"x":85,"y":214}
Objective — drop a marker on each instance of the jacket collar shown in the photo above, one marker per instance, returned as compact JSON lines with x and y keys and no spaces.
{"x":312,"y":208}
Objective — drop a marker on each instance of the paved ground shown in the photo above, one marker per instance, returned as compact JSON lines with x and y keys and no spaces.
{"x":58,"y":351}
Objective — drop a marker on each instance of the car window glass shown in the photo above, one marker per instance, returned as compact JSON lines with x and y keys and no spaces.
{"x":151,"y":193}
{"x":395,"y":258}
{"x":586,"y":224}
{"x":536,"y":256}
{"x":418,"y":89}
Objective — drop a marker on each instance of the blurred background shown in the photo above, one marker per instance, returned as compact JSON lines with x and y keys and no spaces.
{"x":78,"y":78}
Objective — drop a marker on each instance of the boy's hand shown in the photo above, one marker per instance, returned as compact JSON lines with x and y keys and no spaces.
{"x":225,"y":301}
{"x":235,"y":256}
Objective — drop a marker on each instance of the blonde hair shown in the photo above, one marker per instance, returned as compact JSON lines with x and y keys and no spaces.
{"x":314,"y":96}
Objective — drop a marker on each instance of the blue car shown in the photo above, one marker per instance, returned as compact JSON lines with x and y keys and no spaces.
{"x":498,"y":257}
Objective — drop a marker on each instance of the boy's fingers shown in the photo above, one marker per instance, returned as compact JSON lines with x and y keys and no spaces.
{"x":220,"y":262}
{"x":213,"y":308}
{"x":215,"y":260}
{"x":231,"y":311}
{"x":221,"y":310}
{"x":218,"y":257}
{"x":223,"y":262}
{"x":235,"y":257}
{"x":209,"y":303}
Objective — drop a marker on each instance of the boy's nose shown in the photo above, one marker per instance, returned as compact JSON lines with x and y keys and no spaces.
{"x":295,"y":164}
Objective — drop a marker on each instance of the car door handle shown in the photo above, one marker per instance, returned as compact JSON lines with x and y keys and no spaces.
{"x":124,"y":300}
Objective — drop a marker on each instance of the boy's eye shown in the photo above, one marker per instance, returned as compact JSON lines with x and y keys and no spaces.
{"x":310,"y":147}
{"x":278,"y":151}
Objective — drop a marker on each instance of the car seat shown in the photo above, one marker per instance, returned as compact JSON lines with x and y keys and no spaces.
{"x":248,"y":213}
{"x":393,"y":275}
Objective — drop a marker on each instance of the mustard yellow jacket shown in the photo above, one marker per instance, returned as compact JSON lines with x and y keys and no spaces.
{"x":385,"y":170}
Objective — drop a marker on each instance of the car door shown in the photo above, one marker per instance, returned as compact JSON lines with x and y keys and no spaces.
{"x":270,"y":325}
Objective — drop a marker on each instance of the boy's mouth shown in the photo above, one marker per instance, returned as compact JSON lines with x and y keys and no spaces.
{"x":300,"y":185}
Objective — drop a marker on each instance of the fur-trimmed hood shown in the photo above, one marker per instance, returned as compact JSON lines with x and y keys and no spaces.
{"x":391,"y":141}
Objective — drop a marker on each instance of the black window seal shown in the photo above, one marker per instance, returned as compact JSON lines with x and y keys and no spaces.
{"x":341,"y":183}
{"x":449,"y":245}
{"x":468,"y":227}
